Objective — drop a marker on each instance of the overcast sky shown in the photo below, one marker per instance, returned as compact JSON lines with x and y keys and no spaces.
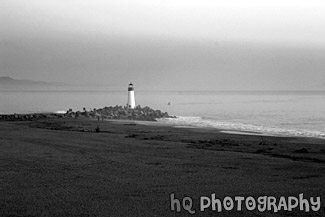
{"x":166,"y":44}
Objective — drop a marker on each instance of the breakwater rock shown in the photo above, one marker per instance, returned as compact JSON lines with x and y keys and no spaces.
{"x":120,"y":112}
{"x":29,"y":117}
{"x":116,"y":112}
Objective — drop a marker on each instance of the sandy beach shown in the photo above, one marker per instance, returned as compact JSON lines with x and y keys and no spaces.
{"x":62,"y":167}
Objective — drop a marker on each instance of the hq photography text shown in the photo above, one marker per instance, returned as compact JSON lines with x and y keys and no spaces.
{"x":240,"y":203}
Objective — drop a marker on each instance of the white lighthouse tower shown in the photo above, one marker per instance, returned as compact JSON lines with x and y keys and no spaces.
{"x":131,"y":98}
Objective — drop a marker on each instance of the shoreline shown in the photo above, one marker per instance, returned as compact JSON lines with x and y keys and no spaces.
{"x":233,"y":127}
{"x":220,"y":130}
{"x":155,"y":121}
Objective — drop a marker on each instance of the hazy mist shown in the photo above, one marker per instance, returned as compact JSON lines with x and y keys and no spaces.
{"x":166,"y":45}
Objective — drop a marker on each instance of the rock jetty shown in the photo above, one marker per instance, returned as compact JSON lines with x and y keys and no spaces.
{"x":29,"y":117}
{"x":120,"y":112}
{"x":116,"y":112}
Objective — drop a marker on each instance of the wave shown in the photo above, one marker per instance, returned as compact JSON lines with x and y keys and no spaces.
{"x":200,"y":122}
{"x":60,"y":112}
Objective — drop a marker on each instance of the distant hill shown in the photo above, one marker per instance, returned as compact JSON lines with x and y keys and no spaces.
{"x":8,"y":81}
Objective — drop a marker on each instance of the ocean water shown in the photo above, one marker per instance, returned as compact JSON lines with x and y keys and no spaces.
{"x":293,"y":113}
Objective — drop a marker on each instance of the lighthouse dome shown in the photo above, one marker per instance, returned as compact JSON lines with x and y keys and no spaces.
{"x":130,"y":88}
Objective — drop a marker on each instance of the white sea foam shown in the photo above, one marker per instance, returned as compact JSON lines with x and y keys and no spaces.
{"x":60,"y":112}
{"x":266,"y":130}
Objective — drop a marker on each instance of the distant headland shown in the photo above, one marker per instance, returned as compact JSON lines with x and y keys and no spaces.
{"x":7,"y":82}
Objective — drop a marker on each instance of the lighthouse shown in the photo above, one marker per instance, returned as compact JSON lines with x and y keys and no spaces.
{"x":131,"y":98}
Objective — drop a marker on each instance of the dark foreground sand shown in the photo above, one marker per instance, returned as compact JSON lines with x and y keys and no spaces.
{"x":61,"y":167}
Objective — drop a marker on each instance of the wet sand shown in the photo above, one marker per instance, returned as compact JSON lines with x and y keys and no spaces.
{"x":62,"y":167}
